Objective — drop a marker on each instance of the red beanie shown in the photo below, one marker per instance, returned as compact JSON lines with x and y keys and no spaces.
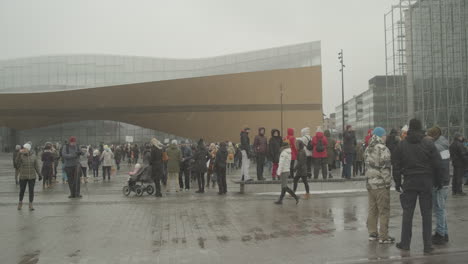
{"x":72,"y":139}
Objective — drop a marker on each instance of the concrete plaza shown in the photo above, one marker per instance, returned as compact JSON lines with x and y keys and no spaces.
{"x":107,"y":227}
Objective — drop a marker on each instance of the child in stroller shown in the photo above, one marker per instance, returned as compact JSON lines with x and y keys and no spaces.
{"x":139,"y":181}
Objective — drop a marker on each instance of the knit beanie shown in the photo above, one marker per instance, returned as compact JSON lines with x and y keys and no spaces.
{"x":379,"y":131}
{"x":415,"y":124}
{"x":434,"y":132}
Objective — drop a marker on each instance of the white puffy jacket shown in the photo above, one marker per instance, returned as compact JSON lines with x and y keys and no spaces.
{"x":284,"y":161}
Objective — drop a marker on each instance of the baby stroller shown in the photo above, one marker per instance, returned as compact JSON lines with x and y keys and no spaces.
{"x":139,"y":181}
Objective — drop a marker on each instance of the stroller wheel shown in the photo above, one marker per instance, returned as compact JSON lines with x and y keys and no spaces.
{"x":126,"y":190}
{"x":138,"y":190}
{"x":150,"y":189}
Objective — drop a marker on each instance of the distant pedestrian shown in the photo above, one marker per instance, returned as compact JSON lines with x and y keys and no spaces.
{"x":459,"y":157}
{"x":245,"y":150}
{"x":301,"y":168}
{"x":379,"y":180}
{"x":201,"y":158}
{"x":29,"y":167}
{"x":107,"y":158}
{"x":96,"y":161}
{"x":359,"y":162}
{"x":349,"y":149}
{"x":331,"y":153}
{"x":47,"y":170}
{"x":220,"y":167}
{"x":274,"y":147}
{"x":157,"y":165}
{"x":260,"y":147}
{"x":292,"y":144}
{"x":71,"y":159}
{"x":284,"y":171}
{"x":440,"y":195}
{"x":231,"y":155}
{"x":15,"y":155}
{"x":118,"y":155}
{"x":84,"y":164}
{"x":417,"y":159}
{"x":319,"y":154}
{"x":173,"y":166}
{"x":307,"y":140}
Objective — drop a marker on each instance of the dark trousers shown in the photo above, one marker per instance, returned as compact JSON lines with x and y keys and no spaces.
{"x":304,"y":180}
{"x":156,"y":176}
{"x":30,"y":184}
{"x":260,"y":165}
{"x":221,"y":172}
{"x":73,"y":181}
{"x":117,"y":164}
{"x":184,"y":177}
{"x":357,"y":169}
{"x":309,"y":167}
{"x":349,"y":159}
{"x":320,"y":164}
{"x":106,"y":170}
{"x":201,"y":181}
{"x":408,"y":203}
{"x":283,"y":192}
{"x":95,"y":173}
{"x":83,"y":172}
{"x":457,"y":182}
{"x":291,"y":169}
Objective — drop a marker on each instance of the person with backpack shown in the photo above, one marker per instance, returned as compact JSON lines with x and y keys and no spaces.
{"x":319,"y":146}
{"x":306,"y":139}
{"x":292,"y":144}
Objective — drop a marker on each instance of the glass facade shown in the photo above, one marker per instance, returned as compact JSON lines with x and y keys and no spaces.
{"x":70,"y":72}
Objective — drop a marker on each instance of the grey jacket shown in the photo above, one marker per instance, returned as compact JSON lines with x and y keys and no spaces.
{"x":70,"y":155}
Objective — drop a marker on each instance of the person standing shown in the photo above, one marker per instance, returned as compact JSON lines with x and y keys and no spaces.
{"x":306,"y":139}
{"x":274,"y":146}
{"x":331,"y":154}
{"x":220,"y":167}
{"x":47,"y":170}
{"x":201,"y":157}
{"x":283,"y":172}
{"x":440,"y":196}
{"x":15,"y":155}
{"x":29,"y":167}
{"x":118,"y":157}
{"x":260,"y":147}
{"x":231,"y":154}
{"x":156,"y":165}
{"x":84,"y":164}
{"x":319,"y":154}
{"x":185,"y":166}
{"x":358,"y":168}
{"x":245,"y":150}
{"x":292,"y":143}
{"x":106,"y":158}
{"x":173,"y":166}
{"x":71,"y":159}
{"x":379,"y":180}
{"x":417,"y":159}
{"x":95,"y":162}
{"x":301,"y":168}
{"x":349,"y":149}
{"x":458,"y":154}
{"x":64,"y":172}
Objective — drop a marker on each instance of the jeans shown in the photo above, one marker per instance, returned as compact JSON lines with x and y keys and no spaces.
{"x":349,"y":158}
{"x":30,"y":184}
{"x":439,"y":199}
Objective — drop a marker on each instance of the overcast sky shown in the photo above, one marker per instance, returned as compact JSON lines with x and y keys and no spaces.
{"x":202,"y":28}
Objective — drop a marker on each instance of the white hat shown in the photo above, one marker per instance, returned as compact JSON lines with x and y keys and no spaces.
{"x":174,"y":141}
{"x":27,"y":146}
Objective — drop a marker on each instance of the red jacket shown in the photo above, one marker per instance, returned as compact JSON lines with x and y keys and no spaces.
{"x":292,"y":143}
{"x":368,"y":137}
{"x":319,"y":136}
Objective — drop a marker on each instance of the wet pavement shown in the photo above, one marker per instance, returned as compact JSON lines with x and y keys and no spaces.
{"x":107,"y":227}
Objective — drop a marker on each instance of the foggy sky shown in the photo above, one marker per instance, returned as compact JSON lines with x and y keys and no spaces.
{"x":203,"y":28}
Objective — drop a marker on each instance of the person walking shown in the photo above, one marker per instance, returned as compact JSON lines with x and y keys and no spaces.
{"x":319,"y":154}
{"x":292,"y":143}
{"x":378,"y":182}
{"x":417,"y":159}
{"x":245,"y":150}
{"x":106,"y":158}
{"x":459,"y":157}
{"x":440,"y":195}
{"x":220,"y":167}
{"x":118,"y":157}
{"x":156,"y":164}
{"x":284,"y":171}
{"x":274,"y":147}
{"x":331,"y":153}
{"x":301,"y":168}
{"x":47,"y":170}
{"x":173,"y":166}
{"x":201,"y":157}
{"x":307,"y":140}
{"x":29,"y":168}
{"x":71,"y":159}
{"x":15,"y":155}
{"x":95,"y":162}
{"x":349,"y":149}
{"x":261,"y":148}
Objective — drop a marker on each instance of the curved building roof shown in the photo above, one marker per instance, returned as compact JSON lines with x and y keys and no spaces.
{"x":72,"y":72}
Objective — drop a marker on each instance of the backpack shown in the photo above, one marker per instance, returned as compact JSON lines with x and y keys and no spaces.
{"x":309,"y":145}
{"x":320,"y":148}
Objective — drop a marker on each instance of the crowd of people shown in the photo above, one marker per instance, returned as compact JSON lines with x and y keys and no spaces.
{"x":417,"y":161}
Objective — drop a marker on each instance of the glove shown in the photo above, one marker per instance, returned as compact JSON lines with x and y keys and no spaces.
{"x":398,"y":188}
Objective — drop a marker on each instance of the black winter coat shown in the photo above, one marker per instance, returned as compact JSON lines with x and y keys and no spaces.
{"x":156,"y":161}
{"x":274,"y":146}
{"x":419,"y":161}
{"x":349,"y":142}
{"x":301,"y":165}
{"x":458,"y":154}
{"x":201,"y":158}
{"x":221,"y":158}
{"x":245,"y":142}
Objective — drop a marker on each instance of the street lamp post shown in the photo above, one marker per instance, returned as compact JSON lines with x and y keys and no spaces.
{"x":281,"y":102}
{"x":340,"y":57}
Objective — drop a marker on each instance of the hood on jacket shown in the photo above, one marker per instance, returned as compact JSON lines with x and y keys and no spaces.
{"x":369,"y":132}
{"x":261,"y":131}
{"x":305,"y":131}
{"x":319,"y":135}
{"x":275,"y":133}
{"x":415,"y":136}
{"x":291,"y":132}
